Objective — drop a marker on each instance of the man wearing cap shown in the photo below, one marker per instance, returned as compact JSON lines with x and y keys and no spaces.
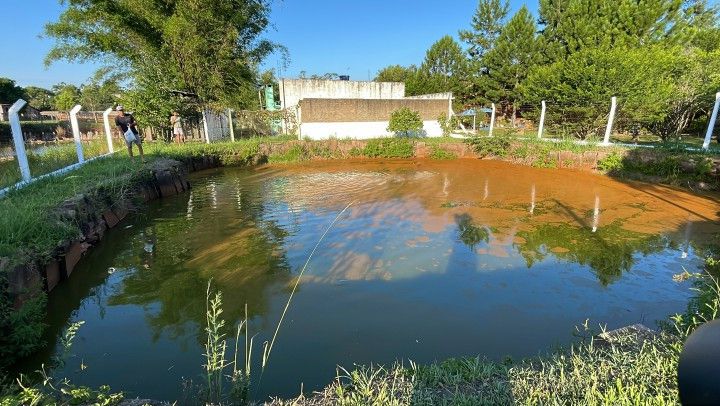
{"x":125,"y":122}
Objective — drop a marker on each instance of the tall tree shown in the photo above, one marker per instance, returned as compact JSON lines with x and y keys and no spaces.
{"x":415,"y":83}
{"x":487,"y":22}
{"x":573,"y":25}
{"x":39,"y":98}
{"x":102,"y":91}
{"x":207,"y":48}
{"x":509,"y":62}
{"x":444,"y":66}
{"x":396,"y":73}
{"x":66,"y":96}
{"x":9,"y":91}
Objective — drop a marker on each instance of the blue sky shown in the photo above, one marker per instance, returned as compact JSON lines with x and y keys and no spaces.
{"x":355,"y":38}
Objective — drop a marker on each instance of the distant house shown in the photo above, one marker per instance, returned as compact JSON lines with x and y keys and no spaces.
{"x":28,"y":113}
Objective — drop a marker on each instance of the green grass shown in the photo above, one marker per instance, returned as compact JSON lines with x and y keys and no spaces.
{"x":53,"y":157}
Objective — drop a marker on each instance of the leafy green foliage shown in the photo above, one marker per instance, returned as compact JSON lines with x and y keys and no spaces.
{"x":444,"y":66}
{"x":9,"y":91}
{"x":66,"y":96}
{"x":389,"y":148}
{"x":167,"y":48}
{"x":21,"y":329}
{"x":39,"y":98}
{"x":611,"y":163}
{"x":487,"y":23}
{"x":405,"y":122}
{"x":439,"y":153}
{"x":507,"y":65}
{"x":490,"y":146}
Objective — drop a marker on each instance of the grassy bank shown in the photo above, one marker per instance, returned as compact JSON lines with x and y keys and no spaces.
{"x":665,"y":163}
{"x":53,"y":156}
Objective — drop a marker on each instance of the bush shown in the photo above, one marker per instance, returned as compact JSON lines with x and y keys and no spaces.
{"x":389,"y":148}
{"x":438,"y":153}
{"x":610,"y":163}
{"x":447,"y":124}
{"x":487,"y":146}
{"x":405,"y":122}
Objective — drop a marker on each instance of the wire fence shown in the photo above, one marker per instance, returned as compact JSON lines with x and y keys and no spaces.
{"x":592,"y":123}
{"x":50,"y":143}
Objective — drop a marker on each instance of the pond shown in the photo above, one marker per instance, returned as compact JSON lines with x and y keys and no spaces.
{"x":431,"y":260}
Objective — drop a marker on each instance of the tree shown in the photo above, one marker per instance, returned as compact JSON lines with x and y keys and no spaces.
{"x":66,"y":96}
{"x":415,"y":83}
{"x":444,"y":66}
{"x":507,"y":65}
{"x":578,"y":89}
{"x":39,"y":98}
{"x":405,"y":122}
{"x":9,"y":92}
{"x":205,"y":49}
{"x":396,"y":73}
{"x":487,"y":22}
{"x":102,"y":91}
{"x":573,"y":25}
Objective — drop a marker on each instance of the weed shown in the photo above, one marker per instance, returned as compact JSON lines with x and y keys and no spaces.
{"x":611,"y":163}
{"x":490,"y":146}
{"x":439,"y":153}
{"x":389,"y":148}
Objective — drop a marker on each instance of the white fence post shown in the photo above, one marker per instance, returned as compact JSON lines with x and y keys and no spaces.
{"x":18,"y":139}
{"x":232,"y":130}
{"x":76,"y":132}
{"x":711,"y":124}
{"x":542,"y":120}
{"x":492,"y":120}
{"x":108,"y":132}
{"x":611,"y":118}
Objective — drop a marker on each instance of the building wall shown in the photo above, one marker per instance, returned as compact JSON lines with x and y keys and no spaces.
{"x":367,"y":110}
{"x":294,"y":90}
{"x":363,"y":118}
{"x":359,"y":130}
{"x":444,"y":96}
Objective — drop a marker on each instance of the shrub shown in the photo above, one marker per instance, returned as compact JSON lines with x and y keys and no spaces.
{"x":610,"y":163}
{"x":405,"y":122}
{"x":486,"y":146}
{"x":389,"y":148}
{"x":438,"y":153}
{"x":447,"y":124}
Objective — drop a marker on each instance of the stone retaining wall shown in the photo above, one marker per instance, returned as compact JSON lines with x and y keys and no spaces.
{"x":95,"y":214}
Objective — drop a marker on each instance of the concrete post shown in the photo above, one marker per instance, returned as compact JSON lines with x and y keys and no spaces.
{"x":492,"y":120}
{"x":711,"y":124}
{"x":108,"y":131}
{"x":542,"y":120}
{"x":611,"y":118}
{"x":205,"y":126}
{"x":232,"y":130}
{"x":76,"y":132}
{"x":20,"y":153}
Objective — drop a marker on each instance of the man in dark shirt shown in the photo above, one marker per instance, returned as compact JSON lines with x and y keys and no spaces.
{"x":123,"y":122}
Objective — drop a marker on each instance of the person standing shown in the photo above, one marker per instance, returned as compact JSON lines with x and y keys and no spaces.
{"x":127,"y":126}
{"x":176,"y":123}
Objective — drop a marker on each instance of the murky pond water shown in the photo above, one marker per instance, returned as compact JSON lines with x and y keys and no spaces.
{"x":432,"y":260}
